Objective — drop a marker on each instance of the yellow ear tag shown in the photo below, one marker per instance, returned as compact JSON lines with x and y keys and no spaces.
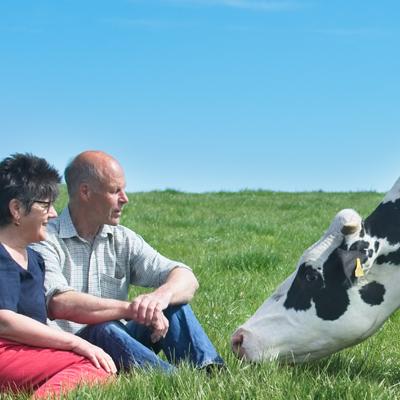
{"x":359,"y":270}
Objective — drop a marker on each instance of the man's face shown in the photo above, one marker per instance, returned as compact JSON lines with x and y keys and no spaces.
{"x":108,"y":198}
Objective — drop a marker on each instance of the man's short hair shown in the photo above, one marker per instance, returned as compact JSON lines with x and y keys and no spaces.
{"x":80,"y":171}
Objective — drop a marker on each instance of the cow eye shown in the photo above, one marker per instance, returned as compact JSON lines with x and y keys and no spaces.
{"x":311,"y":276}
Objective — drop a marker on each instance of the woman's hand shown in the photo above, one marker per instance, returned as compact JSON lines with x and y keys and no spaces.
{"x":98,"y":357}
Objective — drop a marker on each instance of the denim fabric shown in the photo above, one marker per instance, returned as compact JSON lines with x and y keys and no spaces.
{"x":130,"y":345}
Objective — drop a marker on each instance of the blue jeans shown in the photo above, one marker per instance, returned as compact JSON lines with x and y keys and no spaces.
{"x":130,"y":345}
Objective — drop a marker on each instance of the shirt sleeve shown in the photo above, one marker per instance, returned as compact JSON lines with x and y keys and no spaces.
{"x":54,"y":281}
{"x":10,"y":286}
{"x":148,"y":268}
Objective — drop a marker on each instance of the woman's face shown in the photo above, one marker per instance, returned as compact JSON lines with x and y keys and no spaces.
{"x":35,"y":222}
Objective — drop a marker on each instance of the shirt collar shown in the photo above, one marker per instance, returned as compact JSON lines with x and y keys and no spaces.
{"x":68,"y":230}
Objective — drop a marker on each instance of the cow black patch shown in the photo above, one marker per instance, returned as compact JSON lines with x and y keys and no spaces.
{"x":360,"y":245}
{"x":384,"y":222}
{"x":370,"y":253}
{"x":304,"y":287}
{"x":372,"y":293}
{"x":330,"y":293}
{"x":391,"y":258}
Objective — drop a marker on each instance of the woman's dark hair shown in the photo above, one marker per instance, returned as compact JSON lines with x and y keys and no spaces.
{"x":26,"y":178}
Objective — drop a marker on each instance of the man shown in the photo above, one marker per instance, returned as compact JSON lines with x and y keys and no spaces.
{"x":90,"y":262}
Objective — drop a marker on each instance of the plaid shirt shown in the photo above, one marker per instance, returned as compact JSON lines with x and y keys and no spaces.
{"x":105,"y":268}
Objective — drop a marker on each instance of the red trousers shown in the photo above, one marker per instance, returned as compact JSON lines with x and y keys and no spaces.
{"x":47,"y":372}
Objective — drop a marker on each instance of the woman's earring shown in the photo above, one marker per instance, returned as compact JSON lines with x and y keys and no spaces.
{"x":17,"y":222}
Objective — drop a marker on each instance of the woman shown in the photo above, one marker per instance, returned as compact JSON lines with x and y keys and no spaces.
{"x":34,"y":356}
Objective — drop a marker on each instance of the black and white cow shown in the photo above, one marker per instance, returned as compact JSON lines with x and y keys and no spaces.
{"x":344,"y":288}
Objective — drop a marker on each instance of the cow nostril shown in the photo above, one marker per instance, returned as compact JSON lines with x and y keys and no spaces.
{"x":237,"y":341}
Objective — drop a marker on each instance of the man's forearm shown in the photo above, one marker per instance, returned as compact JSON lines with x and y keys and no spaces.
{"x":86,"y":309}
{"x":179,"y":287}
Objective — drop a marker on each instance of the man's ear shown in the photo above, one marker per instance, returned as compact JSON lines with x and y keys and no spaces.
{"x":84,"y":191}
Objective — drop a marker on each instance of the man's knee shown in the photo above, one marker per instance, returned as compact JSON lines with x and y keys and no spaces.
{"x":109,"y":326}
{"x":178,"y":309}
{"x":101,"y":331}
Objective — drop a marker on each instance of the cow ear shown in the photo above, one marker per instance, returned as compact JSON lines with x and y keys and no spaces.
{"x":351,"y":266}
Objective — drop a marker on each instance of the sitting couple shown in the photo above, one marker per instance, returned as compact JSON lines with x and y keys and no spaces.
{"x":77,"y":274}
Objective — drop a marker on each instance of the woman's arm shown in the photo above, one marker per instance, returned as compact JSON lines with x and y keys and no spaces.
{"x":25,"y":330}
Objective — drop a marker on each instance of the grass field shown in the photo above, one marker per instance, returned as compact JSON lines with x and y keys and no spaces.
{"x":241,"y":246}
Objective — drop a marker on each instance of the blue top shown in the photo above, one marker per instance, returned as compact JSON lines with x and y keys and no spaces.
{"x":22,"y":291}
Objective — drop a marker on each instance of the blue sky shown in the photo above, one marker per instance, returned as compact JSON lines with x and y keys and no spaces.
{"x":207,"y":95}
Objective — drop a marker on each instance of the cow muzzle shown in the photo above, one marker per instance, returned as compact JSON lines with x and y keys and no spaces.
{"x":240,"y":344}
{"x":236,"y":343}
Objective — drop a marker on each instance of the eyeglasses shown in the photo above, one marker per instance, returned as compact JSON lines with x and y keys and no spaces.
{"x":46,"y":205}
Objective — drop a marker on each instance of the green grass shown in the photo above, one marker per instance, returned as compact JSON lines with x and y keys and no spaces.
{"x":241,"y":246}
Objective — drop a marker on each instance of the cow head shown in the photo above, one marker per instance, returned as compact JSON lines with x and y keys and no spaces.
{"x":333,"y":300}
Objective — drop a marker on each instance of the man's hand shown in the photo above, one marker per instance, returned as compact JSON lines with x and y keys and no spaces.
{"x":147,"y":309}
{"x":160,"y":327}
